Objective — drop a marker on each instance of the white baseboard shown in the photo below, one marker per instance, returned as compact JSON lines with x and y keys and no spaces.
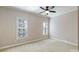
{"x":65,"y":41}
{"x":13,"y":45}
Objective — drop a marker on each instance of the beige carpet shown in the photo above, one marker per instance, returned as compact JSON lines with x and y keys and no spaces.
{"x":48,"y":45}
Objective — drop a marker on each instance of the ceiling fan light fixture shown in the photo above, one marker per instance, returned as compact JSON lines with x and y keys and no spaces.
{"x":46,"y":12}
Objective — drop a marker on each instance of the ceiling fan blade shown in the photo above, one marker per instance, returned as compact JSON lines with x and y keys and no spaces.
{"x":52,"y":7}
{"x":53,"y":11}
{"x":42,"y":11}
{"x":42,"y":8}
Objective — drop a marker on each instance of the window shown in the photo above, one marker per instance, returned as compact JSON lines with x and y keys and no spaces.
{"x":45,"y":28}
{"x":22,"y":27}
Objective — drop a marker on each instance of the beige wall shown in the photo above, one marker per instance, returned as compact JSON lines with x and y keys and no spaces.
{"x":8,"y":26}
{"x":78,"y":28}
{"x":65,"y":27}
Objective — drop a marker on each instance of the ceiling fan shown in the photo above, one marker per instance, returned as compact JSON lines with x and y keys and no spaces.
{"x":47,"y":9}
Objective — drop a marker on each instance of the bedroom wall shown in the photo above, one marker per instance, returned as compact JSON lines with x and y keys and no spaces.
{"x":65,"y":27}
{"x":8,"y":18}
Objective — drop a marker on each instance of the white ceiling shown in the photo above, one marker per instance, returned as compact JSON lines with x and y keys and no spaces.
{"x":59,"y":9}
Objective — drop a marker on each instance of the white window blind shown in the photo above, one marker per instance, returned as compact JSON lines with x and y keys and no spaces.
{"x":45,"y":28}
